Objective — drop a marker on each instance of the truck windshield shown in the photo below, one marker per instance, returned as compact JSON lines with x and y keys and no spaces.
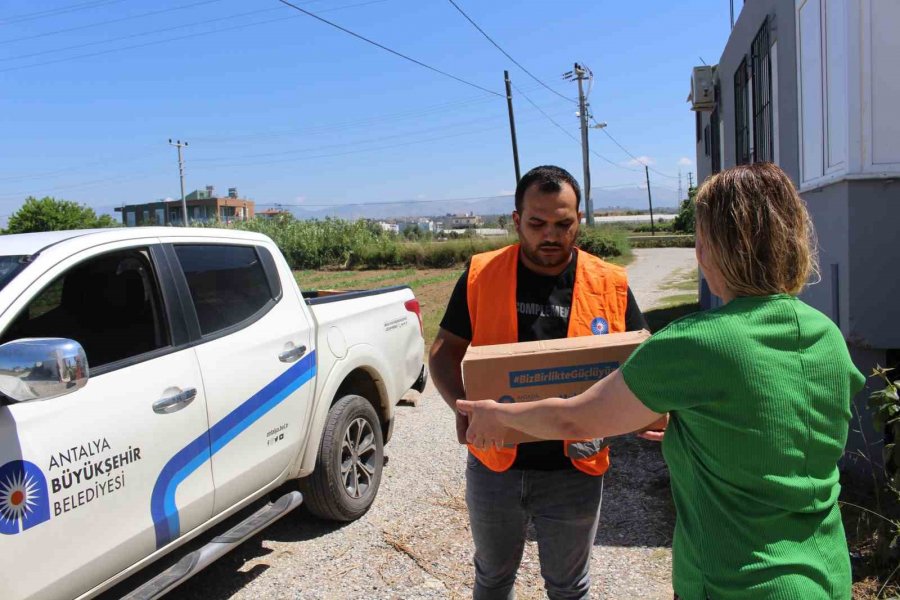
{"x":9,"y":267}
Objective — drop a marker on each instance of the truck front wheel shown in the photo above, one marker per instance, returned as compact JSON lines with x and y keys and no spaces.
{"x":348,"y":467}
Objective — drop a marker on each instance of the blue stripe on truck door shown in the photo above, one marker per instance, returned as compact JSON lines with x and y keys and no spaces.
{"x":187,"y":460}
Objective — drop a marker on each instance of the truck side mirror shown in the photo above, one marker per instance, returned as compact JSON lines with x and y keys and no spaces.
{"x":41,"y":368}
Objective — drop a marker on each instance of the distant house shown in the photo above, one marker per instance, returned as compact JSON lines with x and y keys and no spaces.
{"x":467,"y":221}
{"x":422,"y":224}
{"x":483,"y":232}
{"x":389,"y":227}
{"x":202,"y":206}
{"x":272,"y":213}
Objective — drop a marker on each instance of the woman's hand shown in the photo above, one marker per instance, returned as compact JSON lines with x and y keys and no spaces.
{"x":655,"y":432}
{"x":485,"y":429}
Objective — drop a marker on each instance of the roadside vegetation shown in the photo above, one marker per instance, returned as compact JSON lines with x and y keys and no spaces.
{"x":871,"y":506}
{"x":354,"y":245}
{"x":52,"y":214}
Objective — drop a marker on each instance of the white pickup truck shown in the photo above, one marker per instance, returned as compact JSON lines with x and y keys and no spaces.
{"x":154,"y":381}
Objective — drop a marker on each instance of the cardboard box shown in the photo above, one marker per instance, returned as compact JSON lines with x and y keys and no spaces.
{"x":545,"y":369}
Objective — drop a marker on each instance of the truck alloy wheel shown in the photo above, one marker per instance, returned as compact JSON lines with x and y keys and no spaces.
{"x":348,"y":468}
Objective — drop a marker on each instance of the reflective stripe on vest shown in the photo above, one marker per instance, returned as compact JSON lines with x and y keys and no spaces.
{"x":599,"y":302}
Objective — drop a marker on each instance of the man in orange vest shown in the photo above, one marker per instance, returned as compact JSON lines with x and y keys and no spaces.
{"x":541,"y":288}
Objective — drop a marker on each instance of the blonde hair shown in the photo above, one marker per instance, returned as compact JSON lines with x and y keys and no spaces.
{"x":756,"y":230}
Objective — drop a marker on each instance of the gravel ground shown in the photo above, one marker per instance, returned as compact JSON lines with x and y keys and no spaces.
{"x":414,"y":543}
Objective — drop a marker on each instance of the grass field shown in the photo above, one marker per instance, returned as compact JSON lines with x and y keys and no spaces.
{"x":431,"y":286}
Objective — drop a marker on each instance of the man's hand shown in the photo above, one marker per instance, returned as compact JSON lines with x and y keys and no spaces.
{"x":656,"y":431}
{"x":462,"y":424}
{"x":485,"y":429}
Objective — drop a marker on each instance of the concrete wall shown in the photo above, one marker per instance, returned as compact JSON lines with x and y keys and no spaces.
{"x":855,"y":207}
{"x":860,"y":286}
{"x":874,"y":278}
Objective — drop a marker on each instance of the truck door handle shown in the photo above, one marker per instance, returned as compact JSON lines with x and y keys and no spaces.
{"x":292,"y":354}
{"x":170,"y":404}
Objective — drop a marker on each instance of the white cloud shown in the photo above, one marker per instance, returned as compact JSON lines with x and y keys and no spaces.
{"x":300,"y":199}
{"x":640,"y":161}
{"x":506,"y":192}
{"x":684,"y":161}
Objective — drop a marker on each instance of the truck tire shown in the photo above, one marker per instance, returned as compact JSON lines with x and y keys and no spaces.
{"x":348,"y":467}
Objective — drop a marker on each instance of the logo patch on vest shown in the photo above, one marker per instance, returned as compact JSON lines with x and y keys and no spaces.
{"x":599,"y":326}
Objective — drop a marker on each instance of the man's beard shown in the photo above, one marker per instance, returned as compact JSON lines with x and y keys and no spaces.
{"x":535,"y":256}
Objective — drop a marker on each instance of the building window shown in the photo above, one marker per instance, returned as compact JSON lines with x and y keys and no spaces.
{"x":706,"y":141}
{"x":761,"y":62}
{"x":699,"y":126}
{"x":741,"y":116}
{"x":130,"y":220}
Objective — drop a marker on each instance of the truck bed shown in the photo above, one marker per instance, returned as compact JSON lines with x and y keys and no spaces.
{"x":314,"y":297}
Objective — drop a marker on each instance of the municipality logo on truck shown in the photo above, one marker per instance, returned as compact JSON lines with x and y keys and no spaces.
{"x":24,"y":501}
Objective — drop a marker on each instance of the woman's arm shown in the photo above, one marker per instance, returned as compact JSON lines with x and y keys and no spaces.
{"x":606,"y":409}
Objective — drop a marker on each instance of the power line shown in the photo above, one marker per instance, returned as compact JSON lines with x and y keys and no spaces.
{"x":362,"y":151}
{"x":386,"y":49}
{"x":354,"y":124}
{"x":136,"y":35}
{"x":549,"y":118}
{"x":638,"y":160}
{"x":505,"y":53}
{"x":174,"y":39}
{"x":568,"y":133}
{"x":354,"y":143}
{"x":440,"y":108}
{"x":129,"y":178}
{"x":119,"y":159}
{"x":109,"y":22}
{"x":43,"y":14}
{"x":309,"y":131}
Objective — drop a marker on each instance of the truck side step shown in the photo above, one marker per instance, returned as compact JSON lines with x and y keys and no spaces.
{"x":201,"y":558}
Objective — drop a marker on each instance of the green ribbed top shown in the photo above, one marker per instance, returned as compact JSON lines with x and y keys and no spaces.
{"x":759,"y":393}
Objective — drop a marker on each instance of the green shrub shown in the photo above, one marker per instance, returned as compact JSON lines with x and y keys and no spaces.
{"x":605,"y":242}
{"x":662,"y":241}
{"x":659,"y":225}
{"x":684,"y":221}
{"x":335,"y":243}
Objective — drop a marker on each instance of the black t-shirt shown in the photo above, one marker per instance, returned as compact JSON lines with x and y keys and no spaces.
{"x":543,"y":304}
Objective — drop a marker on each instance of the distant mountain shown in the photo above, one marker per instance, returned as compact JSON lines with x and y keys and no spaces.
{"x":627,"y":199}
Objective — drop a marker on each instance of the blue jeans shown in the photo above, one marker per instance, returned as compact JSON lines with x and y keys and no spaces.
{"x":564,"y":507}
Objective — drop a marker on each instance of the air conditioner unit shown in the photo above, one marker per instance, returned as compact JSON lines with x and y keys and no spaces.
{"x":703,"y":97}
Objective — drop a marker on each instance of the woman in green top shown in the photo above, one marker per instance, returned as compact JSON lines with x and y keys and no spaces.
{"x":758,"y":392}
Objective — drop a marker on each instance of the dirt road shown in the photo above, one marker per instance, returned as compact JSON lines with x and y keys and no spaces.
{"x":652,"y":271}
{"x":415,"y":543}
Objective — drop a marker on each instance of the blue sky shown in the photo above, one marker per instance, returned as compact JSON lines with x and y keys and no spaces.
{"x":292,"y":111}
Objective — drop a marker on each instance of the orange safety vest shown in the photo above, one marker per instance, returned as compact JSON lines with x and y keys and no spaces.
{"x":599,"y":302}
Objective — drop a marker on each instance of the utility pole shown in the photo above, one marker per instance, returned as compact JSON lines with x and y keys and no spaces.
{"x":512,"y":125}
{"x":690,"y":181}
{"x":580,"y":73}
{"x":649,"y":199}
{"x":680,"y":197}
{"x":179,"y":144}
